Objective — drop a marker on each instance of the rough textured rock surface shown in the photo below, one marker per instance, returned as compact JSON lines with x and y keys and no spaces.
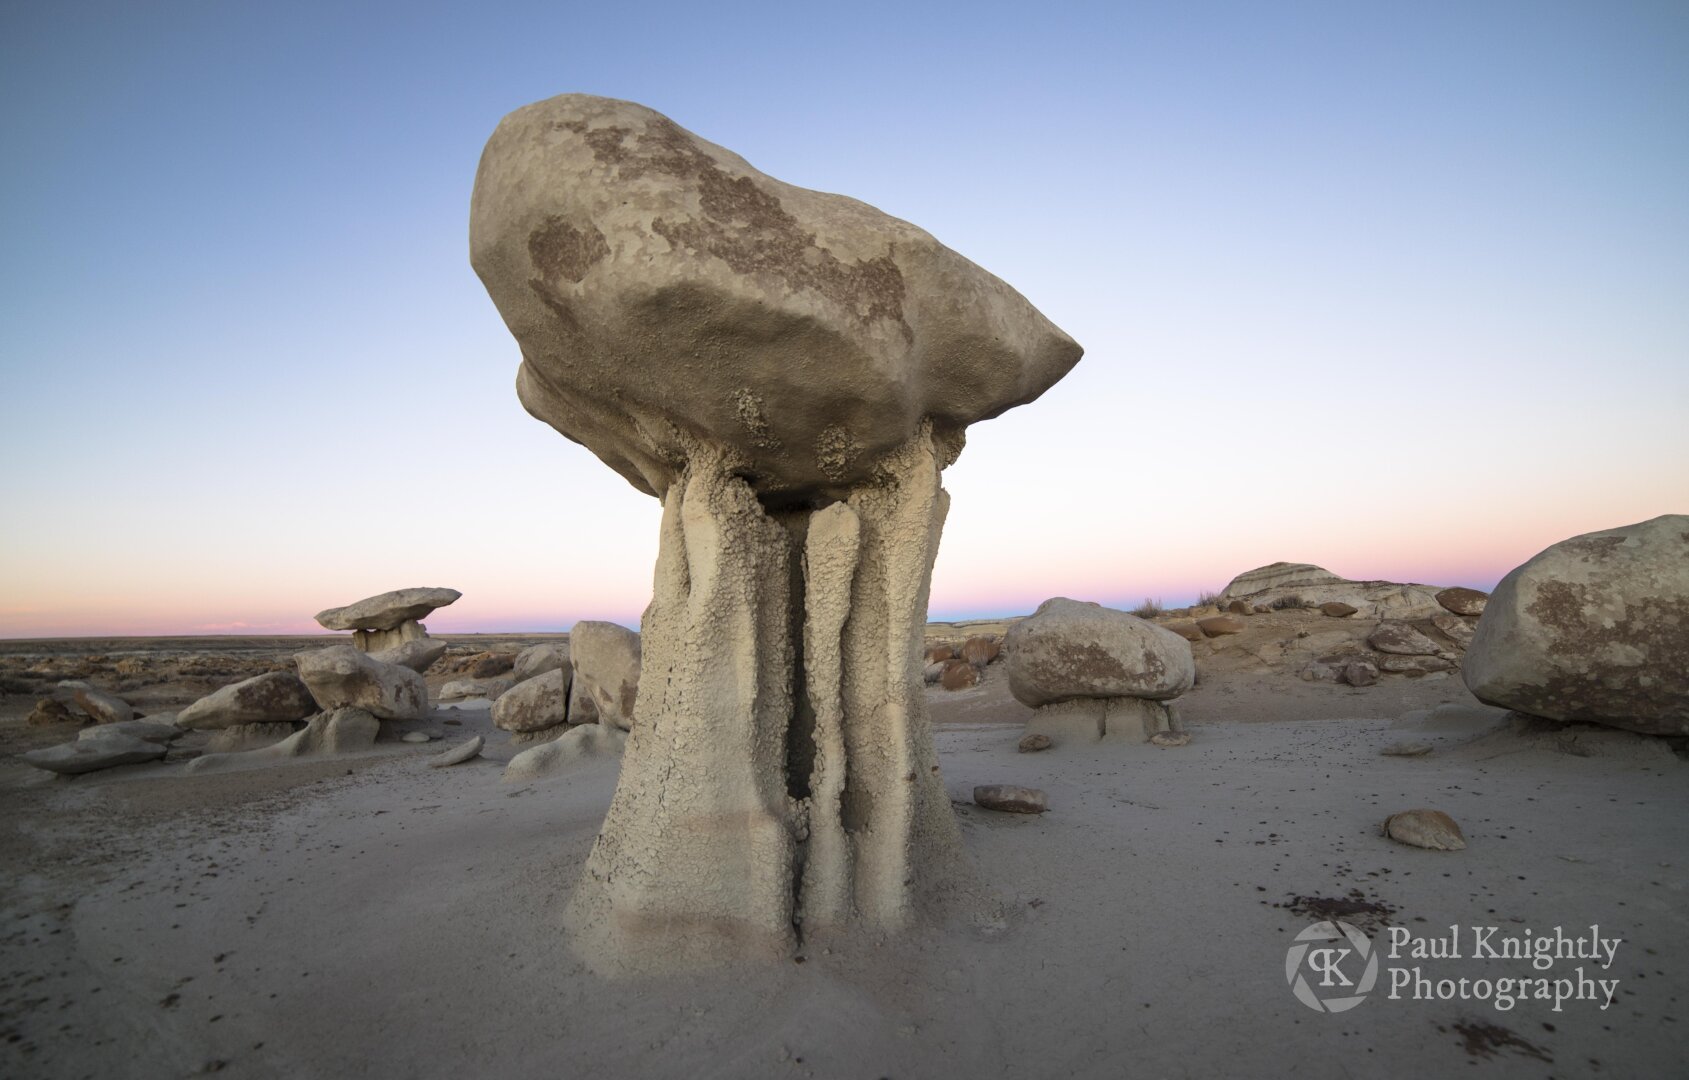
{"x":463,"y":689}
{"x":1087,"y":720}
{"x":606,"y":662}
{"x":386,"y":641}
{"x":1431,"y":829}
{"x":104,"y":708}
{"x":1595,"y":628}
{"x":534,"y":705}
{"x":1402,"y":640}
{"x":341,"y":677}
{"x":585,"y":743}
{"x":818,"y":333}
{"x":340,"y":731}
{"x":980,"y":651}
{"x":1463,"y":601}
{"x":418,"y":654}
{"x":958,"y":675}
{"x":388,"y":610}
{"x":103,"y":749}
{"x":1337,"y":609}
{"x":275,"y":697}
{"x":789,"y":372}
{"x":536,"y":660}
{"x":1075,"y":649}
{"x":1277,"y":576}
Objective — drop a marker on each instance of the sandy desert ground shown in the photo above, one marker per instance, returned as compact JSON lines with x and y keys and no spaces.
{"x":370,"y":916}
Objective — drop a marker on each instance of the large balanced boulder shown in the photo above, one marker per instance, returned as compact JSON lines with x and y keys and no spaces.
{"x":664,"y":290}
{"x":388,"y":610}
{"x":790,"y":372}
{"x":341,"y":677}
{"x":1074,"y":649}
{"x":606,"y":659}
{"x":1595,"y":628}
{"x":275,"y":697}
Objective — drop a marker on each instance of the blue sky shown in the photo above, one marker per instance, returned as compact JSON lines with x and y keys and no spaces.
{"x":1402,"y":289}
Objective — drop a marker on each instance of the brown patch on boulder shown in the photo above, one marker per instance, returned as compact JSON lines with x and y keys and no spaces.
{"x":958,"y":675}
{"x":1218,"y":625}
{"x":1463,"y":601}
{"x":1337,"y":609}
{"x":938,"y":654}
{"x":980,"y":651}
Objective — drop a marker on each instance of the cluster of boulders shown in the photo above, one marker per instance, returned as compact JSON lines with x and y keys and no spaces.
{"x":1091,"y":673}
{"x":341,"y":694}
{"x":1404,"y":647}
{"x":957,"y":667}
{"x":559,"y":688}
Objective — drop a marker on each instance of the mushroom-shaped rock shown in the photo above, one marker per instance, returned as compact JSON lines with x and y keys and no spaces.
{"x":275,"y":697}
{"x":665,"y":291}
{"x":1075,"y":649}
{"x":388,"y":610}
{"x":790,"y":372}
{"x":341,"y":677}
{"x":1595,"y":628}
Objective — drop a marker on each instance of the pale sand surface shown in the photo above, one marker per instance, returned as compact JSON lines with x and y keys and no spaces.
{"x":372,"y":917}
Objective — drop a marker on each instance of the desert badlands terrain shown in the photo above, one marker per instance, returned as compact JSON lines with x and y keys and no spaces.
{"x":364,"y":913}
{"x":1310,"y":826}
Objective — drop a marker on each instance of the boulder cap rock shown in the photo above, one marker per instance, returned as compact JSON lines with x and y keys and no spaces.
{"x":388,"y":610}
{"x":1594,"y":628}
{"x":664,"y":291}
{"x":1077,"y":649}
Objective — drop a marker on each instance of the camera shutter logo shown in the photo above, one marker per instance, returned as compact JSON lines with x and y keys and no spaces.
{"x":1328,"y":954}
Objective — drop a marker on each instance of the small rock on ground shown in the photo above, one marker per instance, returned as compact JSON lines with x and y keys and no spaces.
{"x":1011,"y":799}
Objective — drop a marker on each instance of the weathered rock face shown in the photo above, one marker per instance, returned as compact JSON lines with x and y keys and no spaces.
{"x":340,"y":731}
{"x":341,"y":677}
{"x":584,"y":743}
{"x":1074,"y":649}
{"x":666,"y":292}
{"x":1402,"y":640}
{"x":103,"y":707}
{"x":418,"y":654}
{"x":1463,"y":601}
{"x":538,"y":659}
{"x":1595,"y":628}
{"x":1278,"y":575}
{"x":535,"y":704}
{"x":958,"y":675}
{"x":388,"y":610}
{"x":789,"y":371}
{"x":606,"y":660}
{"x":272,"y":698}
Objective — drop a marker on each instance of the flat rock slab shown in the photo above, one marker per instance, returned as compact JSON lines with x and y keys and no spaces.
{"x":458,"y":754}
{"x":1011,"y":799}
{"x":388,"y":610}
{"x":103,"y":750}
{"x":149,"y":730}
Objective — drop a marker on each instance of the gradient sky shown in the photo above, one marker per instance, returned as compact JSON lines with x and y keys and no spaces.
{"x":1399,"y":289}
